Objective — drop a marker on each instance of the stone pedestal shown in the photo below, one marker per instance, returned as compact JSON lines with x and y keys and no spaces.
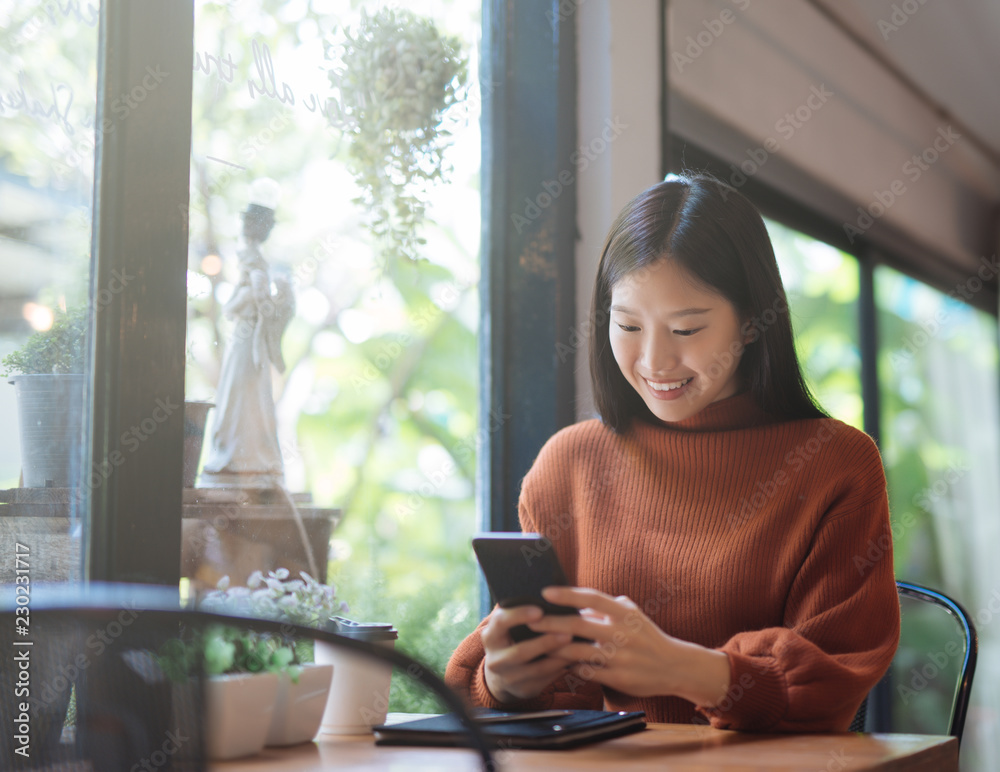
{"x":234,"y":532}
{"x":225,"y":531}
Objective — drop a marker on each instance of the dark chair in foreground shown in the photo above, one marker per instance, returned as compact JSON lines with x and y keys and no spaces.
{"x":86,"y":671}
{"x":929,"y":683}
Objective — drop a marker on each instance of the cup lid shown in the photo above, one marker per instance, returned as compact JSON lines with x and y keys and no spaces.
{"x":368,"y":631}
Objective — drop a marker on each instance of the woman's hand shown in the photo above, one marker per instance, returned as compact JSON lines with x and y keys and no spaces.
{"x":520,"y":671}
{"x":629,"y":652}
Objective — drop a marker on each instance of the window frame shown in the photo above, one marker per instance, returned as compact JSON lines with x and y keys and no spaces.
{"x":137,"y":349}
{"x":528,"y":282}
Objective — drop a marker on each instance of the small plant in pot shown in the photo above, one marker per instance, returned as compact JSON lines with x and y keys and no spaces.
{"x":303,"y":686}
{"x":47,"y":375}
{"x":243,"y":670}
{"x":59,"y":349}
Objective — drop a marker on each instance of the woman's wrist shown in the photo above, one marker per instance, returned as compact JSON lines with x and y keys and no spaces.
{"x":703,"y":675}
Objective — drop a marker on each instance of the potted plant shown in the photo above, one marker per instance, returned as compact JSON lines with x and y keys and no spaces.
{"x":47,"y":375}
{"x":242,"y":670}
{"x":302,"y":685}
{"x":395,"y":77}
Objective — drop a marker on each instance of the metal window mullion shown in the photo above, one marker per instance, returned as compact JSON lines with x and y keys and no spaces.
{"x":139,"y":286}
{"x":868,"y":343}
{"x":529,"y":135}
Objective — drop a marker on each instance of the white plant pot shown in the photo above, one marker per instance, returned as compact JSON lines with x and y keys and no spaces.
{"x":239,"y":712}
{"x":359,"y":695}
{"x":298,"y":707}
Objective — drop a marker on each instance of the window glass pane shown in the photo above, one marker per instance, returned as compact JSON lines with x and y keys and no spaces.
{"x":938,"y":362}
{"x":48,"y":85}
{"x":822,"y":287}
{"x":370,"y":429}
{"x":940,"y":444}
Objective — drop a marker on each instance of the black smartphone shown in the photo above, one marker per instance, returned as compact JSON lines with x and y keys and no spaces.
{"x":517,"y":567}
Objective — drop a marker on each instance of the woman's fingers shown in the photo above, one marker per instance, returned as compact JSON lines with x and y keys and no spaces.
{"x":496,"y":633}
{"x":520,"y":670}
{"x":572,"y":626}
{"x":505,"y":651}
{"x":585,"y":597}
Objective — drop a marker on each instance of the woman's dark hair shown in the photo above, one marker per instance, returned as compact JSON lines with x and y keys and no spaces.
{"x":718,"y":236}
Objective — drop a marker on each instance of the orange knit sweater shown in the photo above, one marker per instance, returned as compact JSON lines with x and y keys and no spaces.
{"x":767,"y":540}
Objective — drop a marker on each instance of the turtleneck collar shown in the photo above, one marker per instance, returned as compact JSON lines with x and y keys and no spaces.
{"x":739,"y":411}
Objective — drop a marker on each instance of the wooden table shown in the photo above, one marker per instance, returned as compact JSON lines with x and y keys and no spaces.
{"x":674,"y":747}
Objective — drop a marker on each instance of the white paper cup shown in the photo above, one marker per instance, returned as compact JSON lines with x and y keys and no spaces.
{"x":359,"y":694}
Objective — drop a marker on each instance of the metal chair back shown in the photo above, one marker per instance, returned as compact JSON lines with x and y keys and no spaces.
{"x":929,"y":683}
{"x":85,"y":684}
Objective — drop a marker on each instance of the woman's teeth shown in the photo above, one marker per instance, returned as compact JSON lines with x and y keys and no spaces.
{"x":668,"y":386}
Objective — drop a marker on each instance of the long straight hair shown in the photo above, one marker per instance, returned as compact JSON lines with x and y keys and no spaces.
{"x":719,"y":237}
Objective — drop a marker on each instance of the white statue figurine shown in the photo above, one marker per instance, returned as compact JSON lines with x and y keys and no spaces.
{"x":244,"y":445}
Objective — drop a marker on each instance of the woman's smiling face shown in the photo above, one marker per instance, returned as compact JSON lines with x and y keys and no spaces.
{"x":677,"y":343}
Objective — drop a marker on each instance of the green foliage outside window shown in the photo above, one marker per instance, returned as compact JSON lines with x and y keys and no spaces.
{"x":379,"y":399}
{"x":938,"y":365}
{"x":822,"y":287}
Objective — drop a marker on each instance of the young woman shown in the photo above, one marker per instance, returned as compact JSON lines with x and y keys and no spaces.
{"x":729,"y":542}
